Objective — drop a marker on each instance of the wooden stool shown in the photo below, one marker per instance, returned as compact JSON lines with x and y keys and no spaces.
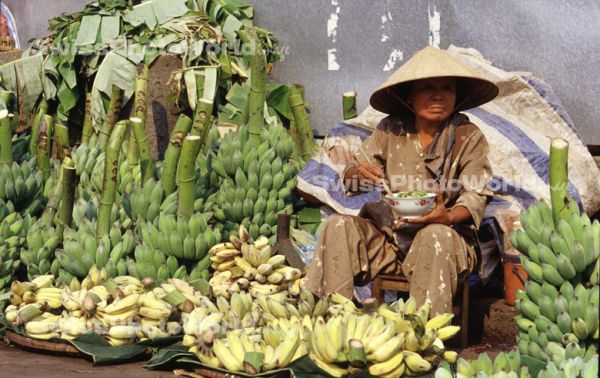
{"x":400,"y":283}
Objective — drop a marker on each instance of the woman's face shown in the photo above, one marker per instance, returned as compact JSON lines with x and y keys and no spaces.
{"x":433,"y":99}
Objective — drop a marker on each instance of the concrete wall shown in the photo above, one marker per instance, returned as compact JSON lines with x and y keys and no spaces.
{"x":333,"y":46}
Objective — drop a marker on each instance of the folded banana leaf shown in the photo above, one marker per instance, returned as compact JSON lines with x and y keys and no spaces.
{"x":102,"y":353}
{"x":177,"y":357}
{"x":533,"y":365}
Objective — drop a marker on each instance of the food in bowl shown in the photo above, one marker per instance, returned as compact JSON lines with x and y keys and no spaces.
{"x":411,"y":194}
{"x":412,"y":204}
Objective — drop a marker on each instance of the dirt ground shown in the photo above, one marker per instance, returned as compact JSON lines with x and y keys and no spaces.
{"x":15,"y":362}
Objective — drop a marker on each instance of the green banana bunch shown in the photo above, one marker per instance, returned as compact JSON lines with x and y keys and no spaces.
{"x":147,"y":202}
{"x":258,"y":180}
{"x":22,"y":185}
{"x":81,"y":251}
{"x":560,"y":301}
{"x":38,"y":255}
{"x":152,"y":263}
{"x":13,"y":230}
{"x":186,"y":240}
{"x":573,"y":367}
{"x":569,"y":314}
{"x":206,"y":184}
{"x":84,"y":157}
{"x":567,"y":251}
{"x":86,"y":209}
{"x":129,"y":177}
{"x":170,"y":246}
{"x":504,"y":365}
{"x":20,"y":146}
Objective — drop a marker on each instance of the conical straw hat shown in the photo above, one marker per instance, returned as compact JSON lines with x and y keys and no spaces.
{"x":472,"y":89}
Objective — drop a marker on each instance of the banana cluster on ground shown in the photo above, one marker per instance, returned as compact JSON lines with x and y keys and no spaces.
{"x":123,"y":309}
{"x":396,"y":340}
{"x":258,"y":181}
{"x":559,"y":306}
{"x":244,"y":264}
{"x":505,"y":365}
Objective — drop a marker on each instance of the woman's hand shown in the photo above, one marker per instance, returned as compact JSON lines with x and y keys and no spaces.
{"x":366,"y":171}
{"x":439,"y":214}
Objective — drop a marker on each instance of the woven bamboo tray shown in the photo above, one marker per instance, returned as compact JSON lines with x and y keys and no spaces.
{"x":42,"y":346}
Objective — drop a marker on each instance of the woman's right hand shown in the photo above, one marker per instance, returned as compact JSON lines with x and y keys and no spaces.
{"x":366,"y":171}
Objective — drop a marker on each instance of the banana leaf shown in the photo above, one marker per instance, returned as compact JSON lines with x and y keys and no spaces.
{"x":277,"y":98}
{"x":533,"y":365}
{"x":141,"y":14}
{"x":156,"y":12}
{"x":115,"y":70}
{"x":102,"y":353}
{"x":189,"y":76}
{"x":88,"y":30}
{"x":230,"y":28}
{"x":27,"y":73}
{"x":67,"y":72}
{"x":166,"y":10}
{"x":110,"y":28}
{"x":67,"y":97}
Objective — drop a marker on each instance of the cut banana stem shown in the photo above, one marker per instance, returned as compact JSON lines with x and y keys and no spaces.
{"x":356,"y":353}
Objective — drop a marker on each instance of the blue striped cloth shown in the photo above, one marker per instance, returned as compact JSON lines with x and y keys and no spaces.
{"x":12,"y":25}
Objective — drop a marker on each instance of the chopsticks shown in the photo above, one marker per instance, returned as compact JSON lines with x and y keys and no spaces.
{"x":385,"y":185}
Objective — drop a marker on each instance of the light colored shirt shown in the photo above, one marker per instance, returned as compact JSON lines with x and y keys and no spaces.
{"x":463,"y":171}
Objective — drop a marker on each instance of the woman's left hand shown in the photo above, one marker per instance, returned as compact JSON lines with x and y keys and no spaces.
{"x":439,"y":214}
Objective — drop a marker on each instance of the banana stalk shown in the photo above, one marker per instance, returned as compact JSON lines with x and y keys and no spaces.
{"x":88,"y":127}
{"x":65,"y":213}
{"x":111,"y":172}
{"x":141,"y":93}
{"x":559,"y":178}
{"x":53,"y":203}
{"x":35,"y":127}
{"x":202,"y":118}
{"x":140,"y":110}
{"x":133,"y":153}
{"x":45,"y":137}
{"x":112,"y":116}
{"x":356,"y":354}
{"x":180,"y":131}
{"x":146,"y":160}
{"x":349,"y":105}
{"x":186,"y":175}
{"x":306,"y":141}
{"x":61,"y":139}
{"x":253,"y":362}
{"x":6,"y":152}
{"x":258,"y":84}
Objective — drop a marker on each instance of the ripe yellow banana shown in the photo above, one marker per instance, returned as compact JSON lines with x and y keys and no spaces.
{"x":122,"y":305}
{"x":439,"y":321}
{"x":385,"y":367}
{"x":226,"y":357}
{"x":416,"y":363}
